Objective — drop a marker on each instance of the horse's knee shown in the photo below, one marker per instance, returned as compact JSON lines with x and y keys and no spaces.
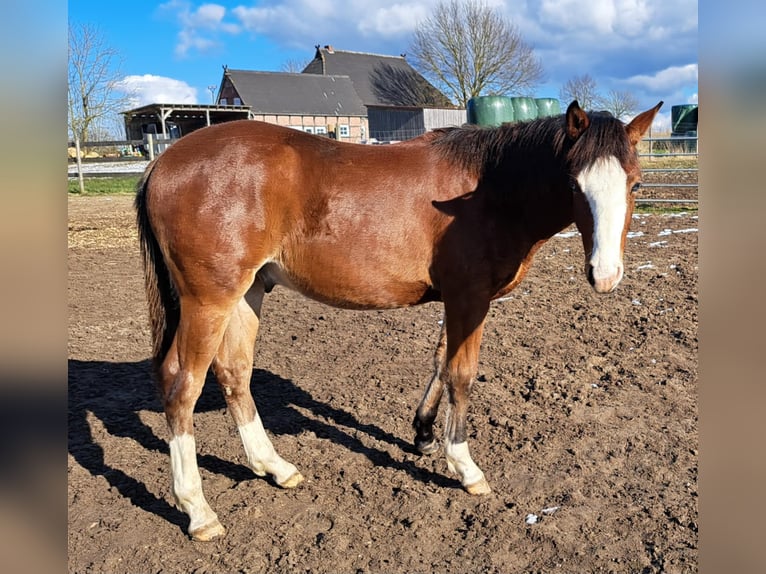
{"x":234,"y":374}
{"x":166,"y":372}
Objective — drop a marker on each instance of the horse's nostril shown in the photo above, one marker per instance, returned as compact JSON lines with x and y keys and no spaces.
{"x":591,"y":278}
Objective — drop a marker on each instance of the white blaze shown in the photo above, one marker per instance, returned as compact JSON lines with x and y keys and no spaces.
{"x":603,"y":184}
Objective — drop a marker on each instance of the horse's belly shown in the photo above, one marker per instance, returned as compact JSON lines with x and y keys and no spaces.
{"x":347,"y":284}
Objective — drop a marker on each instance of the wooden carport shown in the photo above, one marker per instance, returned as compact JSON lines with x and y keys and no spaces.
{"x":170,"y":121}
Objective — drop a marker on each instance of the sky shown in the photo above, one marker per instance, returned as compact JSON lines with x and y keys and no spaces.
{"x":174,"y":52}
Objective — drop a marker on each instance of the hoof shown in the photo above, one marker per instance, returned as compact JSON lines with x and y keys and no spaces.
{"x":208,"y":532}
{"x":295,"y":479}
{"x":427,"y":447}
{"x":481,"y":487}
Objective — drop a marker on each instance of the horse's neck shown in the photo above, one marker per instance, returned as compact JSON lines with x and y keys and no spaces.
{"x":537,"y":209}
{"x":548,"y":213}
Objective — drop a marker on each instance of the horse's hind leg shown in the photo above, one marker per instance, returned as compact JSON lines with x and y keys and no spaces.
{"x":233,"y":366}
{"x":182,"y":376}
{"x":429,"y":404}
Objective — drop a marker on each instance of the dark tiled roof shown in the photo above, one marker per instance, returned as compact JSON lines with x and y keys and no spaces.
{"x":308,"y":94}
{"x":379,"y":80}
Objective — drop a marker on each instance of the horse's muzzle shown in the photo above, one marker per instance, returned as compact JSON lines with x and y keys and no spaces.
{"x":604,"y":280}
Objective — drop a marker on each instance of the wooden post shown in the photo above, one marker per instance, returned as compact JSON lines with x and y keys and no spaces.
{"x":79,"y":164}
{"x":150,"y":145}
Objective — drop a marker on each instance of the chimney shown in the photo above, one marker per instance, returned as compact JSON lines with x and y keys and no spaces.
{"x":329,"y":49}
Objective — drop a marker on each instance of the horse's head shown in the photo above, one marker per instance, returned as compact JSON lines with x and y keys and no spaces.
{"x":605,"y":176}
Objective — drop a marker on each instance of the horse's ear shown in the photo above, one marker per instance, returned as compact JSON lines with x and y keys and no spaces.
{"x":577,"y":120}
{"x":641,"y":124}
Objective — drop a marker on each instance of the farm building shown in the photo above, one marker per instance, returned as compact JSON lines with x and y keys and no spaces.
{"x":351,"y":96}
{"x":324,"y":105}
{"x":400,"y":102}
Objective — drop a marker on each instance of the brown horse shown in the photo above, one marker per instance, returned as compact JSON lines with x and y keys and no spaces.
{"x":232,"y":210}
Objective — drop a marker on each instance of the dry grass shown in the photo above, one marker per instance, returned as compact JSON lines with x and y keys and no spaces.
{"x":109,"y":224}
{"x":670,"y":162}
{"x":102,"y":237}
{"x":666,"y":147}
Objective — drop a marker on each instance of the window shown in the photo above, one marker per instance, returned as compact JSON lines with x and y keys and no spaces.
{"x":309,"y":129}
{"x":237,"y":102}
{"x":223,"y":101}
{"x":343,"y":131}
{"x":320,"y":130}
{"x":173,"y":130}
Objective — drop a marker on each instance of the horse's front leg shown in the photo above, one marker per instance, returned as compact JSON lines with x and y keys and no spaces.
{"x":464,"y":330}
{"x":429,"y":404}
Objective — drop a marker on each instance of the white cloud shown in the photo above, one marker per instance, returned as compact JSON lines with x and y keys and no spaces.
{"x":661,"y":123}
{"x":206,"y":16}
{"x":150,"y":89}
{"x":200,"y":27}
{"x":298,"y":22}
{"x":265,"y":20}
{"x":627,"y":17}
{"x":393,"y":20}
{"x":666,"y":80}
{"x":189,"y":39}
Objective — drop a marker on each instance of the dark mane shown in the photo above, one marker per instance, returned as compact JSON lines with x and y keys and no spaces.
{"x":539,"y":143}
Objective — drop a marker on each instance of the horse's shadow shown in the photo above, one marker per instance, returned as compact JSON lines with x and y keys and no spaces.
{"x":115,"y":394}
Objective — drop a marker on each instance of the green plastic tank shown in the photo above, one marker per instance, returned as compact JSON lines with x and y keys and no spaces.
{"x":524,"y":109}
{"x":683,"y":118}
{"x":489,"y":110}
{"x":547,"y":107}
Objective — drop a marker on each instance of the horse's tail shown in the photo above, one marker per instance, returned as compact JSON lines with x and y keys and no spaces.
{"x":161,"y":295}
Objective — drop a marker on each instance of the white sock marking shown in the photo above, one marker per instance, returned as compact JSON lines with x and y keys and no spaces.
{"x":187,"y":484}
{"x":460,"y":462}
{"x":260,"y":452}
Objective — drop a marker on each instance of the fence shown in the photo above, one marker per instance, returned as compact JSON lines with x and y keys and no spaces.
{"x":124,"y":157}
{"x":660,"y":182}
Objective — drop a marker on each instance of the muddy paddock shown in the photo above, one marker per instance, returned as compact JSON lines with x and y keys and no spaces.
{"x":584,"y":414}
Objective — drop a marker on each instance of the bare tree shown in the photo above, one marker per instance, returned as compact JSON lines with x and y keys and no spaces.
{"x":93,"y":73}
{"x":583,"y":89}
{"x":293,"y":66}
{"x":621,"y":104}
{"x":399,"y":86}
{"x":468,"y":49}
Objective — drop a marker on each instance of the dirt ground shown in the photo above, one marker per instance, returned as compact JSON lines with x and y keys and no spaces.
{"x":584,"y":414}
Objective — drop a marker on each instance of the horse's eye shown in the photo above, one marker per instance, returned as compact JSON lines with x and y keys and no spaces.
{"x":573,"y":185}
{"x":636,"y":187}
